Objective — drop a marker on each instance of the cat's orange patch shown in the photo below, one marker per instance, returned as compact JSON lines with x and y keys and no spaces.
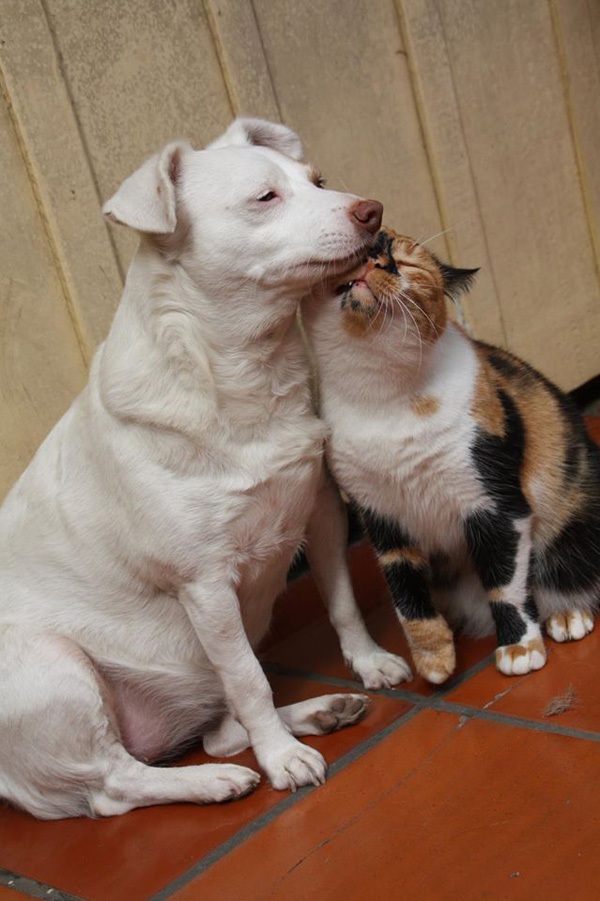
{"x":411,"y":555}
{"x":546,"y":435}
{"x":496,"y":594}
{"x":358,"y":323}
{"x":432,"y":646}
{"x":424,"y":298}
{"x":514,"y":651}
{"x":424,"y":406}
{"x":428,"y":635}
{"x":486,"y":406}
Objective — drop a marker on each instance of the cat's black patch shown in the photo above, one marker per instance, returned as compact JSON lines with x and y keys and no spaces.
{"x":410,"y":590}
{"x":383,"y":247}
{"x":409,"y":585}
{"x":510,"y":625}
{"x":386,"y":534}
{"x":571,"y":563}
{"x":530,"y":608}
{"x":509,"y":367}
{"x":499,"y":459}
{"x":492,"y":540}
{"x":456,"y":281}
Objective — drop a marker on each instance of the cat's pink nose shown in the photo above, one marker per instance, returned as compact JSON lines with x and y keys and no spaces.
{"x":367,"y":214}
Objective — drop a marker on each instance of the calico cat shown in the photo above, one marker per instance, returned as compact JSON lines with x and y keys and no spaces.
{"x":474,"y":475}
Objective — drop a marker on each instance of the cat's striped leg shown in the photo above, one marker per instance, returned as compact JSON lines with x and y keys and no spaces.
{"x":406,"y":570}
{"x":500,"y":548}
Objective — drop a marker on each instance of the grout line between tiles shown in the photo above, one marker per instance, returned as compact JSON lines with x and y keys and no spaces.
{"x":290,"y":801}
{"x":437,"y":701}
{"x":507,"y":719}
{"x":420,"y":702}
{"x":400,"y":694}
{"x":33,"y":888}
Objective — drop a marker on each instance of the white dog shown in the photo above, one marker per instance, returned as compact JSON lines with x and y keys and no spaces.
{"x":143,"y":548}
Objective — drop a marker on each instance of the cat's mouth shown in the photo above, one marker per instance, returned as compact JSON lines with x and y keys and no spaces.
{"x":356,"y":293}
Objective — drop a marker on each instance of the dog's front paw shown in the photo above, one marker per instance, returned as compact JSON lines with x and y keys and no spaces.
{"x":293,"y":766}
{"x":226,"y":782}
{"x":380,"y":669}
{"x":519,"y":659}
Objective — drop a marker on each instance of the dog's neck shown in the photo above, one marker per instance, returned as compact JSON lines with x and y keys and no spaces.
{"x":178,"y":359}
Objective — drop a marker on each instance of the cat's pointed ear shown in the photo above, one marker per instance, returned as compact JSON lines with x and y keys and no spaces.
{"x":456,"y":281}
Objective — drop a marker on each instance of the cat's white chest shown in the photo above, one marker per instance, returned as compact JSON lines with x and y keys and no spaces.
{"x":415,"y":470}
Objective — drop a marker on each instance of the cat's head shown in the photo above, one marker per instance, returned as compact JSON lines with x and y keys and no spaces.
{"x":401,"y":284}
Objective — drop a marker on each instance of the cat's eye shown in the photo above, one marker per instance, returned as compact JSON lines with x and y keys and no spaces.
{"x":270,"y":195}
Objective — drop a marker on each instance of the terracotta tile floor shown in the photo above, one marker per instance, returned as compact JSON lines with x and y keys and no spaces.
{"x":467,"y":792}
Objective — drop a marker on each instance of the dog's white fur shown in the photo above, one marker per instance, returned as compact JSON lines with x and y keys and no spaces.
{"x":144,"y":546}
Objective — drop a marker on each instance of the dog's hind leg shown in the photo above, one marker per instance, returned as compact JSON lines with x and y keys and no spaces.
{"x":316,"y":716}
{"x":61,"y":753}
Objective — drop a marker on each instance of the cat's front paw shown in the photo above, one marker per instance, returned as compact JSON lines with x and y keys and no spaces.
{"x":435,"y":666}
{"x":519,"y":659}
{"x":379,"y":669}
{"x":432,"y":645}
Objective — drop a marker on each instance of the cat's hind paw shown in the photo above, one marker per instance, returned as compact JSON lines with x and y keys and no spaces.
{"x":519,"y":659}
{"x":569,"y":626}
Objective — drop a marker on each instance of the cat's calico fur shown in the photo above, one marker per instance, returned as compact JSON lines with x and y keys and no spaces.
{"x":474,"y":474}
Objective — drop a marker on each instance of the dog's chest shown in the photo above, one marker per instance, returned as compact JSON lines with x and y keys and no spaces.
{"x":271,"y":492}
{"x":417,"y":473}
{"x":276,"y":508}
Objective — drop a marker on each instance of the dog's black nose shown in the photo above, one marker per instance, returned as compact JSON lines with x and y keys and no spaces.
{"x":367,"y":214}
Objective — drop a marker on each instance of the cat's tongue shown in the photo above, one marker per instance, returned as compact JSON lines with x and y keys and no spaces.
{"x":350,"y":278}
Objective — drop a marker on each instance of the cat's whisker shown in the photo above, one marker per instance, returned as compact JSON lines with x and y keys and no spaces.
{"x":439,"y":234}
{"x":393,"y":301}
{"x":421,"y":310}
{"x":418,"y":331}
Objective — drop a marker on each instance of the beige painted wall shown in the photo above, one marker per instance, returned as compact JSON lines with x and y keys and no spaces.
{"x":477,"y":119}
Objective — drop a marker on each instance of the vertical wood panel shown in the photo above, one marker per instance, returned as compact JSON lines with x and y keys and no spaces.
{"x":41,"y":367}
{"x":140,"y":74}
{"x":59,"y":168}
{"x":341,"y":78}
{"x":577,"y":24}
{"x":243,"y":61}
{"x":450,"y":162}
{"x":506,"y":74}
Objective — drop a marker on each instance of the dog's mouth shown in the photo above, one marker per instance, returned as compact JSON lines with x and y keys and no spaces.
{"x":339,"y":266}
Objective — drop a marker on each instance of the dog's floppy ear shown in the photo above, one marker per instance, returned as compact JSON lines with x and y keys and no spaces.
{"x":146,"y":200}
{"x":261,"y":133}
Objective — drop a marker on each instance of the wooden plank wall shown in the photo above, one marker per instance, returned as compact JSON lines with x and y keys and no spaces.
{"x":475,"y":121}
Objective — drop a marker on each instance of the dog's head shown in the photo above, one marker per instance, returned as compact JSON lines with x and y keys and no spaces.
{"x":246,"y":209}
